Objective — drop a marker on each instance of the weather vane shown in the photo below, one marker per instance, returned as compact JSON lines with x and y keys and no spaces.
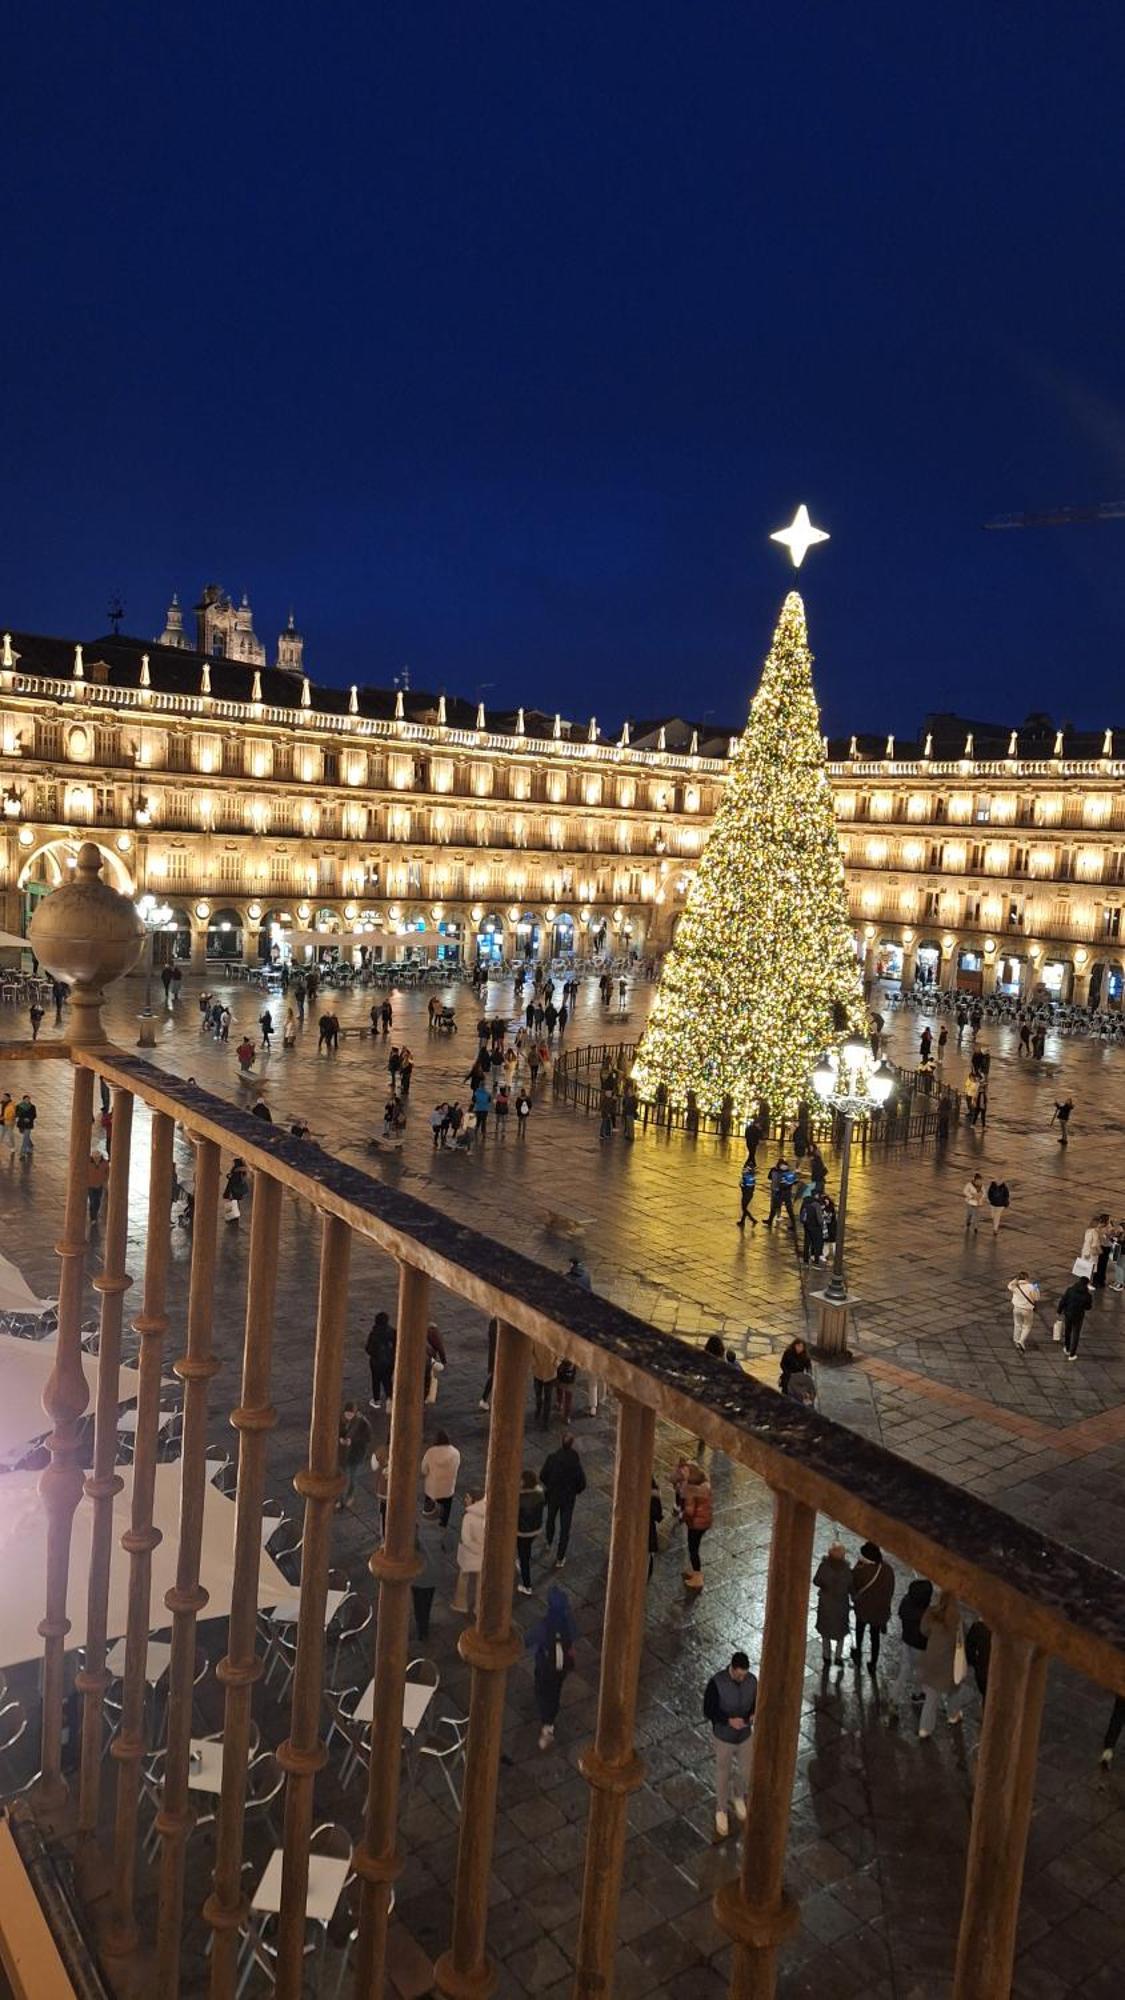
{"x":800,"y":536}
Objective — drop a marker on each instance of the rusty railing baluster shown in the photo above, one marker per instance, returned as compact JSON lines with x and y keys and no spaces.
{"x":255,"y":1418}
{"x":139,"y":1540}
{"x":611,"y":1766}
{"x":754,"y":1909}
{"x":104,"y":1481}
{"x":490,"y":1647}
{"x":377,"y":1860}
{"x":187,"y":1598}
{"x":1005,"y":1786}
{"x":320,"y":1485}
{"x":64,"y":1399}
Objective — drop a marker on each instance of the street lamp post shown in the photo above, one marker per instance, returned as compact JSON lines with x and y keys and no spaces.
{"x":155,"y":917}
{"x":854,"y":1084}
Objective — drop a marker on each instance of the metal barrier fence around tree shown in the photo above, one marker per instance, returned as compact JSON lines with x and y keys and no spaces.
{"x":920,"y":1107}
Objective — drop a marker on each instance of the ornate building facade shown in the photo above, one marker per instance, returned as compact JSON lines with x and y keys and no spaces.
{"x":274,"y":818}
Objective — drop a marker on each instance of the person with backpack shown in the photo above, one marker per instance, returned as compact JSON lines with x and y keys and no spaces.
{"x":872,"y":1594}
{"x":25,"y":1116}
{"x":696,"y":1509}
{"x":999,"y":1199}
{"x":553,"y":1639}
{"x":729,"y":1701}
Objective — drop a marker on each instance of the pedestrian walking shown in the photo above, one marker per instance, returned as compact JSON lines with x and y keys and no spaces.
{"x":380,"y":1350}
{"x":289,"y":1030}
{"x":1116,"y":1724}
{"x":25,"y":1117}
{"x":470,"y":1552}
{"x":942,"y":1669}
{"x":695,"y":1506}
{"x":975,"y":1199}
{"x":832,"y":1583}
{"x":1062,"y":1115}
{"x":354,"y":1443}
{"x":35,"y":1016}
{"x":1072,"y":1308}
{"x":1024,"y":1294}
{"x":381,"y":1482}
{"x":523,"y":1113}
{"x":441,"y":1464}
{"x":729,"y":1701}
{"x":544,"y":1369}
{"x":655,"y":1518}
{"x":562,"y":1478}
{"x":486,"y":1392}
{"x":265,"y":1023}
{"x":999,"y":1200}
{"x":532,"y":1507}
{"x":747,"y":1182}
{"x":914,"y":1601}
{"x":247,"y":1055}
{"x":872,"y":1594}
{"x":235,"y":1191}
{"x":553,"y":1639}
{"x":97,"y":1177}
{"x":8,"y":1119}
{"x":58,"y":995}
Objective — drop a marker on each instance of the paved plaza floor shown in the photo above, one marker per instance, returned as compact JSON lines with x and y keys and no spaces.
{"x":880,"y":1819}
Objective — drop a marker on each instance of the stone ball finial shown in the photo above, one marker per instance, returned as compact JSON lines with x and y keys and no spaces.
{"x":88,"y":935}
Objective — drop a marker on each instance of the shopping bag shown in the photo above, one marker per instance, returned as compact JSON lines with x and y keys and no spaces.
{"x":1082,"y":1267}
{"x":231,"y":1211}
{"x":1058,"y":1330}
{"x":960,"y":1663}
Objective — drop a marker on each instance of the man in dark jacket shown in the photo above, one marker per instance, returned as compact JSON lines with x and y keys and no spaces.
{"x":354,"y":1446}
{"x":562,"y":1480}
{"x":1073,"y":1306}
{"x":381,"y":1355}
{"x":729,"y":1701}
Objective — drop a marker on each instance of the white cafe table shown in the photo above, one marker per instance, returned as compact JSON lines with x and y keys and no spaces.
{"x":327,"y":1876}
{"x":127,"y":1421}
{"x":416,"y":1698}
{"x":288,"y":1611}
{"x":205,"y":1765}
{"x":157,"y":1663}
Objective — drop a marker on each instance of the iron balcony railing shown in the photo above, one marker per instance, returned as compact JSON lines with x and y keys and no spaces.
{"x":1040,"y":1600}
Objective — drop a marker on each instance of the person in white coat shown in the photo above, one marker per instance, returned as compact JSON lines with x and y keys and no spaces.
{"x":1024,"y":1294}
{"x":975,"y":1200}
{"x":470,"y":1553}
{"x":441,"y":1463}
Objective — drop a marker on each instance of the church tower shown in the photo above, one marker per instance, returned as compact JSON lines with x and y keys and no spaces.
{"x":173,"y":633}
{"x":291,"y":650}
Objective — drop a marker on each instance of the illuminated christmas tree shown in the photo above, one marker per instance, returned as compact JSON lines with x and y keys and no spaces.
{"x":762,"y":974}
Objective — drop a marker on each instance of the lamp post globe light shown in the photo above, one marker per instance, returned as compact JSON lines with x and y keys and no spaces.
{"x":852,"y":1083}
{"x":155,"y":917}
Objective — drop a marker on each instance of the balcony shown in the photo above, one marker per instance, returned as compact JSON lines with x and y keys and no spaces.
{"x":156,"y":1883}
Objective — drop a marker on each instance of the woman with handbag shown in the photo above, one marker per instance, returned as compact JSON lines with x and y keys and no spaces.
{"x":693,"y":1498}
{"x":1073,"y":1306}
{"x":872,"y":1594}
{"x":236,"y":1190}
{"x":943,"y":1667}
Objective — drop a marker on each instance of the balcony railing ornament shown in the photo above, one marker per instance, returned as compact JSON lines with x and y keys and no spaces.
{"x":88,"y":935}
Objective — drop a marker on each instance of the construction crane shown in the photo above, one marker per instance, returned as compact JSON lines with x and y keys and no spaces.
{"x":1062,"y":517}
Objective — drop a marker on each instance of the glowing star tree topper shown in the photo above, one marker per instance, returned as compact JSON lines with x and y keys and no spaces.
{"x":762,"y":975}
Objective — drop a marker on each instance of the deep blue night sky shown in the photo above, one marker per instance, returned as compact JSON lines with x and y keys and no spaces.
{"x":497,"y":337}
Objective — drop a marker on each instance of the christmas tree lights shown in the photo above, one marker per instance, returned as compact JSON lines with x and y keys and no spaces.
{"x":762,"y":975}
